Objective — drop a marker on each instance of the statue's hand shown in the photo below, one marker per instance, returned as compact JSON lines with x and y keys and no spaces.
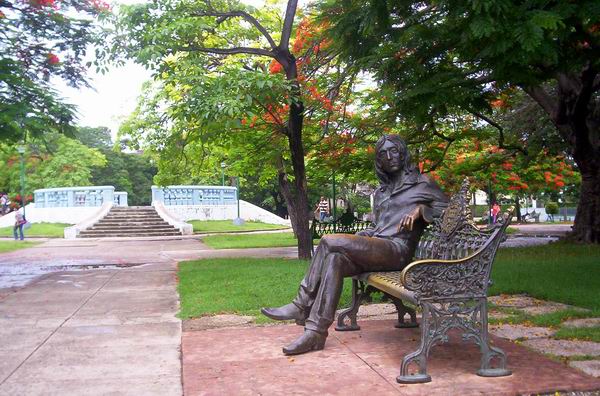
{"x":408,"y":220}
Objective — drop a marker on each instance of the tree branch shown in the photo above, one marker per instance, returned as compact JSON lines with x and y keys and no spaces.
{"x":288,"y":24}
{"x":596,"y":85}
{"x":500,"y":132}
{"x":228,"y":51}
{"x":538,"y":94}
{"x":242,"y":14}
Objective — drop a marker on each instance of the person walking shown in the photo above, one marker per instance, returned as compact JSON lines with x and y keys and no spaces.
{"x":323,"y":208}
{"x":19,"y":222}
{"x":3,"y":204}
{"x":495,"y":210}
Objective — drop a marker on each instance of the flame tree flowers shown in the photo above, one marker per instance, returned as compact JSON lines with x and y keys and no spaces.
{"x":258,"y":86}
{"x":450,"y":57}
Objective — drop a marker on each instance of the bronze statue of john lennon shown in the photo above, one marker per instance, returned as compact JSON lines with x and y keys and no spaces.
{"x":404,"y":203}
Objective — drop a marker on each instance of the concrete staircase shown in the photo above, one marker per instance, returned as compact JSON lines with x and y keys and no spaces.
{"x":132,"y":221}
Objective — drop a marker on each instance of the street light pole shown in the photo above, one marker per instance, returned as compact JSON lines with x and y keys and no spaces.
{"x":223,"y":165}
{"x":21,"y":151}
{"x":334,"y":202}
{"x":238,"y":221}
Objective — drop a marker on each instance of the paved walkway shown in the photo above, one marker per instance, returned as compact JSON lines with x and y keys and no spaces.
{"x":110,"y":328}
{"x":93,"y":331}
{"x":249,"y":361}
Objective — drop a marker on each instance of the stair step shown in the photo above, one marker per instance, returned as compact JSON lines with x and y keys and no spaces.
{"x":133,"y":228}
{"x":130,"y":222}
{"x":128,"y":234}
{"x":141,"y":221}
{"x":131,"y":217}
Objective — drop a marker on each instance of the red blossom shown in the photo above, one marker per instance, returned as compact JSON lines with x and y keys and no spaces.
{"x":42,"y":3}
{"x":53,"y":59}
{"x":507,"y":166}
{"x":498,"y":103}
{"x":100,"y":5}
{"x":274,"y":67}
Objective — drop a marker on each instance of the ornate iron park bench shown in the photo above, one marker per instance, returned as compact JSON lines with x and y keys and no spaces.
{"x":346,"y":224}
{"x":448,"y":281}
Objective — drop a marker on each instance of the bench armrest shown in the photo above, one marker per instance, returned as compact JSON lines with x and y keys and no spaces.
{"x":466,"y":277}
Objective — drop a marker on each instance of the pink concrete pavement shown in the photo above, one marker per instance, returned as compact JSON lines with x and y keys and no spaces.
{"x":249,"y":361}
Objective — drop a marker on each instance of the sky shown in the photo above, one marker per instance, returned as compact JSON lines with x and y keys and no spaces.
{"x":114,"y":94}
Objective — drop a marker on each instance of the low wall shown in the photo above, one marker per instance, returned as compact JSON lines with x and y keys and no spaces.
{"x":67,"y":215}
{"x":175,"y":221}
{"x":248,"y":212}
{"x":73,"y":231}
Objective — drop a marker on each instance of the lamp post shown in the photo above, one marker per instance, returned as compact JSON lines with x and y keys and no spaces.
{"x":334,"y":201}
{"x":223,"y":165}
{"x":21,"y":151}
{"x":238,"y":221}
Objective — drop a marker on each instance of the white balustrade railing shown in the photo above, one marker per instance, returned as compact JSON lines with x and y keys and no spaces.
{"x":195,"y":195}
{"x":120,"y":198}
{"x":73,"y":196}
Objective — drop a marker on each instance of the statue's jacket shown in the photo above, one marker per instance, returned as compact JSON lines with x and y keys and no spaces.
{"x":393,"y":202}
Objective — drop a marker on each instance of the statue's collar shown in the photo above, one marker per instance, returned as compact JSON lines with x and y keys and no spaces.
{"x":409,"y":179}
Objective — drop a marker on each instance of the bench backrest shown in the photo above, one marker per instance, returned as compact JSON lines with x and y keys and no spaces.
{"x":455,"y":235}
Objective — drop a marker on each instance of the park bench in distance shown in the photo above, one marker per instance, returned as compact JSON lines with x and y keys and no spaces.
{"x":346,"y":224}
{"x":448,"y":281}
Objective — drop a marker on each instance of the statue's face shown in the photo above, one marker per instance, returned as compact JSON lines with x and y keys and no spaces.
{"x":390,"y":157}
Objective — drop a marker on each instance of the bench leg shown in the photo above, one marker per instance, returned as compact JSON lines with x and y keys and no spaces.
{"x":420,"y":355}
{"x":358,"y":293}
{"x":402,"y":311}
{"x":488,"y":352}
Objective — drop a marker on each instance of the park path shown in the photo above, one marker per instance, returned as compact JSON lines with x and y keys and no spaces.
{"x":91,"y":331}
{"x":96,"y":316}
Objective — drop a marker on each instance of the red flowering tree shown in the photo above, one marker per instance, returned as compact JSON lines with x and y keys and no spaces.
{"x":257,"y":87}
{"x":41,"y":39}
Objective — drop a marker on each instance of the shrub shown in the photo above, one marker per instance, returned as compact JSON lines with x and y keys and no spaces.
{"x":552,"y":208}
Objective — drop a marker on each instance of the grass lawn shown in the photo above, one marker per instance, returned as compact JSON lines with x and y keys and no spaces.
{"x":250,"y":240}
{"x":559,"y":272}
{"x":240,"y":285}
{"x":49,"y":230}
{"x":228,"y":226}
{"x":9,"y":246}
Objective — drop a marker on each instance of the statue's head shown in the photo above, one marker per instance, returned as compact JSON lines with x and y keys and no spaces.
{"x":392,"y":158}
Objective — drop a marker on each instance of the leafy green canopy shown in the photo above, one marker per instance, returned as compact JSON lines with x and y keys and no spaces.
{"x":57,"y":161}
{"x":443,"y":55}
{"x":42,"y":39}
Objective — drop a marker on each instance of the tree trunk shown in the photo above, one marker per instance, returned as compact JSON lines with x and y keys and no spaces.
{"x":297,"y":201}
{"x":518,"y":209}
{"x":575,"y":113}
{"x":587,"y":220}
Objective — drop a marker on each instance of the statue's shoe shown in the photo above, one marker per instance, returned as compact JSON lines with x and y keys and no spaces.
{"x":287,"y":312}
{"x":309,"y":341}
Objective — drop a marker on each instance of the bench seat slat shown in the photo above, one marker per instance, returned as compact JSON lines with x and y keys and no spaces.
{"x":389,"y":282}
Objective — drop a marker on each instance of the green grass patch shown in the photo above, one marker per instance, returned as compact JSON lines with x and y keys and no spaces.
{"x":554,"y":319}
{"x":244,"y":241}
{"x":228,"y":226}
{"x":578,"y":333}
{"x":48,"y":230}
{"x":516,"y":316}
{"x":241,"y":285}
{"x":561,"y":272}
{"x":9,"y":246}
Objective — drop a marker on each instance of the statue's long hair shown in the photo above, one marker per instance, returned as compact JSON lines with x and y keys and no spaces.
{"x":407,"y":170}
